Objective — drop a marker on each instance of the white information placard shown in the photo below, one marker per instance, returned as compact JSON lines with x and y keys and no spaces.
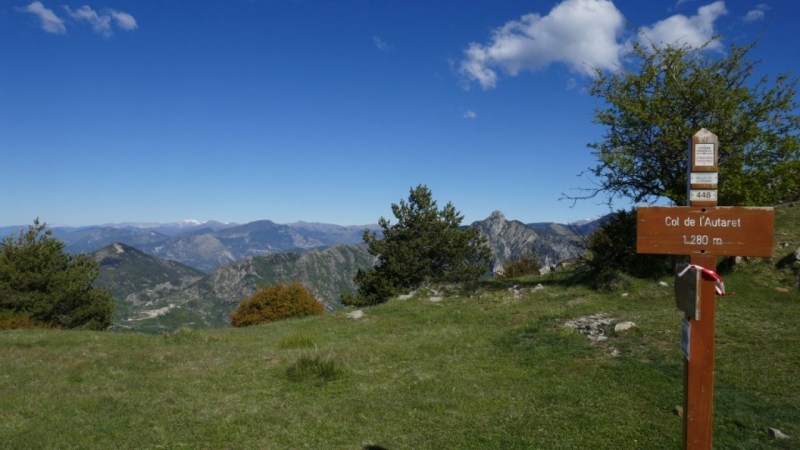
{"x":704,"y":155}
{"x":703,"y":195}
{"x":704,"y":178}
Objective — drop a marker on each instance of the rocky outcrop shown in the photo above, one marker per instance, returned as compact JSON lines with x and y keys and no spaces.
{"x":511,"y":239}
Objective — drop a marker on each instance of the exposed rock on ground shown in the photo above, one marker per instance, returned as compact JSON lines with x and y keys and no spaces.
{"x":624,"y":326}
{"x":357,"y":314}
{"x":594,"y":326}
{"x":777,"y":434}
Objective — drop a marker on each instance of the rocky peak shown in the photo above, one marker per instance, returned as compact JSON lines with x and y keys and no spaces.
{"x":511,"y":239}
{"x":497,"y":216}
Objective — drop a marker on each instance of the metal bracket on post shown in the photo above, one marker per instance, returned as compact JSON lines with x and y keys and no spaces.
{"x":687,"y":290}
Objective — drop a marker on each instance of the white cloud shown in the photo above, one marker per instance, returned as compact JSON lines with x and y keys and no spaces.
{"x":101,"y":23}
{"x":756,"y":14}
{"x":51,"y":23}
{"x":124,"y":20}
{"x":470,"y":114}
{"x":380,"y":44}
{"x":579,"y":33}
{"x":693,"y":31}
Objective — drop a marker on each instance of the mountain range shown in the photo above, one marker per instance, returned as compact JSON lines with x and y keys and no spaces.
{"x":165,"y":276}
{"x":209,"y":245}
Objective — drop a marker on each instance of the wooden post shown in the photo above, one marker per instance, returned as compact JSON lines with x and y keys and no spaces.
{"x":698,"y":380}
{"x":703,"y":231}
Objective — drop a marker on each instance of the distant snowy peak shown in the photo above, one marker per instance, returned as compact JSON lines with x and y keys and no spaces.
{"x":170,"y":229}
{"x":579,"y":223}
{"x":181,"y":224}
{"x":188,"y":223}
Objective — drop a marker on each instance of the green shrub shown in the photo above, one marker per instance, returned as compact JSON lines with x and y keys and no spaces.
{"x":613,"y":254}
{"x":276,"y":303}
{"x":520,"y":267}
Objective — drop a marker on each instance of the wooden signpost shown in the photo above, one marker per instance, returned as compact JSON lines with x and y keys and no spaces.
{"x":702,"y":231}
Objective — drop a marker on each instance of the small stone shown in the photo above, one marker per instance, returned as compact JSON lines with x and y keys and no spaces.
{"x":678,"y":411}
{"x":663,"y":284}
{"x":624,"y":326}
{"x":538,"y":287}
{"x":357,"y":314}
{"x":624,"y":294}
{"x":777,"y":434}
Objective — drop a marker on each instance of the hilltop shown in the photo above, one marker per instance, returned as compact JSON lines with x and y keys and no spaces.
{"x":501,"y":367}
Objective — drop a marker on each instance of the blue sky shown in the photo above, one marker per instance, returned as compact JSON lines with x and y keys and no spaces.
{"x":323,"y":111}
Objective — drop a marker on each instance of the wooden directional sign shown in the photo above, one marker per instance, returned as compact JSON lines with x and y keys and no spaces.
{"x":703,"y":231}
{"x":713,"y":231}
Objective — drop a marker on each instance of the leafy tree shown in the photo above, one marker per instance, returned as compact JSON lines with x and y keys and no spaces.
{"x":426,"y":245}
{"x":651,"y":113}
{"x":41,"y":283}
{"x":277,"y":302}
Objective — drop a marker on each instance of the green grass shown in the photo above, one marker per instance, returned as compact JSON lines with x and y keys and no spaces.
{"x":487,"y":370}
{"x":490,"y":371}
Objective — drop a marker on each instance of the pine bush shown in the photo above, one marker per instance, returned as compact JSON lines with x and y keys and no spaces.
{"x":277,"y":302}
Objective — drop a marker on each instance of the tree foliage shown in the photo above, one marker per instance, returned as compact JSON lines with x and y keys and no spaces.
{"x":41,"y":284}
{"x":277,"y":302}
{"x":651,"y":113}
{"x":612,"y":251}
{"x":526,"y":264}
{"x":426,"y":245}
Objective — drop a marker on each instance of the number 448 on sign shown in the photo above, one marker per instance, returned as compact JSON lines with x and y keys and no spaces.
{"x":709,"y":195}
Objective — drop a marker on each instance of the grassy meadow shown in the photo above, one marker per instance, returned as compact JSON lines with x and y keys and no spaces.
{"x":496,"y":368}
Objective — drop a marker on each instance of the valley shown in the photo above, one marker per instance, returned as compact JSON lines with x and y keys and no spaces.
{"x":164,"y":277}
